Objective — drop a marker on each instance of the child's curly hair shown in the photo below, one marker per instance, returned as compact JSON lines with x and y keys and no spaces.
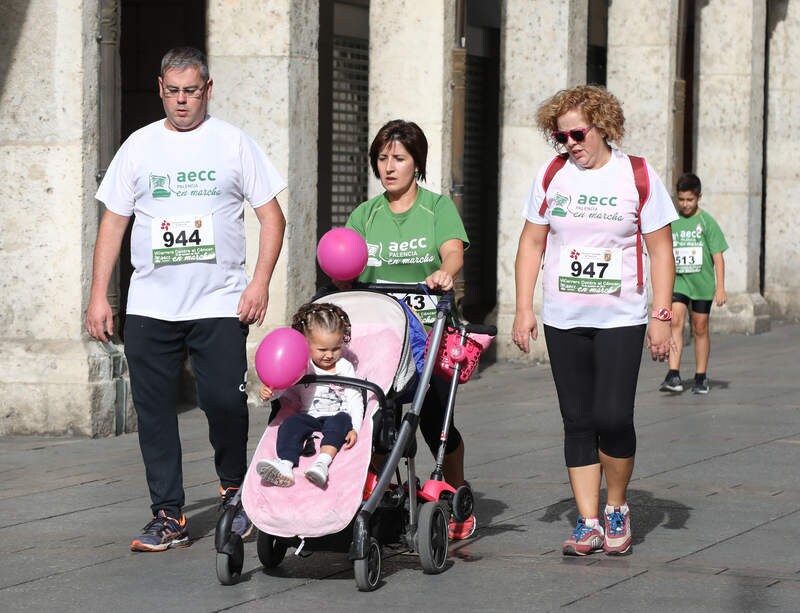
{"x":322,"y":315}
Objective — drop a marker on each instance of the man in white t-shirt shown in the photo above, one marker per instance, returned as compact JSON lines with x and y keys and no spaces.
{"x":185,"y":179}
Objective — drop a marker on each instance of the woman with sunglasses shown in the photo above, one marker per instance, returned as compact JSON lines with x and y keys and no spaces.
{"x":592,"y":215}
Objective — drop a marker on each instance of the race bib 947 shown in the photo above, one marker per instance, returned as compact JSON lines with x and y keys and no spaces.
{"x":590,"y":270}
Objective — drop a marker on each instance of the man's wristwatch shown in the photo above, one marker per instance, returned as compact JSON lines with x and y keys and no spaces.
{"x":662,"y":314}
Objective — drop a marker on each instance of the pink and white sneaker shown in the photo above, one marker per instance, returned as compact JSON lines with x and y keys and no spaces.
{"x":584,"y":539}
{"x":618,"y":531}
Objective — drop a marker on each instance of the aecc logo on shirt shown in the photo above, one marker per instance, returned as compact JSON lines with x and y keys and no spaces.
{"x":410,"y":245}
{"x":597,"y":200}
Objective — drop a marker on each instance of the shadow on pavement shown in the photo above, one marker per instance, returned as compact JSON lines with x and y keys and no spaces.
{"x":647,"y":513}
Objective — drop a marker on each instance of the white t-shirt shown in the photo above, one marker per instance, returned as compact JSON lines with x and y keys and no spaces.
{"x":589,"y":275}
{"x":326,"y":399}
{"x":187,"y":191}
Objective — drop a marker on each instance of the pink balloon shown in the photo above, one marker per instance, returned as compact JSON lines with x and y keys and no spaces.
{"x":342,"y":254}
{"x":282,"y":358}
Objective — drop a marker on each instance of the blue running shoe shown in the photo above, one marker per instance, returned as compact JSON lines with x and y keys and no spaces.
{"x":618,"y":537}
{"x":584,"y":539}
{"x":163,"y":532}
{"x":241,"y":523}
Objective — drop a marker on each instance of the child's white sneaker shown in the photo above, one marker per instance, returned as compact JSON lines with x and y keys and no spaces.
{"x":317,"y":473}
{"x":277,"y":471}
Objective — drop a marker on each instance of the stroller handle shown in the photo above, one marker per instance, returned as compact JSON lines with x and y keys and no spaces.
{"x":402,"y":288}
{"x":487,"y":329}
{"x":362,"y":384}
{"x":445,"y":304}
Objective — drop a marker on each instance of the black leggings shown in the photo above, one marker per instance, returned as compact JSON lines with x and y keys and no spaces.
{"x":431,"y":418}
{"x":595,"y":372}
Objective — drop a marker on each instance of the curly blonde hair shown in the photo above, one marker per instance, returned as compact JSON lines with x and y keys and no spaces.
{"x":324,"y":316}
{"x":600,"y":107}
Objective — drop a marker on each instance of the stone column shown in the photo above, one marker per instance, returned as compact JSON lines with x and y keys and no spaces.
{"x":543,"y":51}
{"x":782,"y":275}
{"x":409,"y":76}
{"x":729,"y":144}
{"x":48,"y":216}
{"x":263,"y":59}
{"x":641,"y":73}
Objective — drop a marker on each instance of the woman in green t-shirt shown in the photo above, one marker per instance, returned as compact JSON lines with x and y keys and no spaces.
{"x":414,"y":235}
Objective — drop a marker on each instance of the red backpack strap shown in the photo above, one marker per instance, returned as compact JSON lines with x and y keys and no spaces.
{"x":556,"y":164}
{"x":642,"y":179}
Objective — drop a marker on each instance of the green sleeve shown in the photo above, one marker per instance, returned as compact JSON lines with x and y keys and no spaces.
{"x":715,"y":237}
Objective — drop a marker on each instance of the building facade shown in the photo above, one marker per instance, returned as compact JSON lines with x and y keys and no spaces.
{"x":706,"y":85}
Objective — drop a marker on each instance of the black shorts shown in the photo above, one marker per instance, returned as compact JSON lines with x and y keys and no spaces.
{"x":697,"y":306}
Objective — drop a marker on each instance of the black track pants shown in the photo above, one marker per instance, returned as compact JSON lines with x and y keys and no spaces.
{"x":155,"y":352}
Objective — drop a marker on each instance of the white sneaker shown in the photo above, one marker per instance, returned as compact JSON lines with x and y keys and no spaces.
{"x":277,"y":471}
{"x":317,"y":473}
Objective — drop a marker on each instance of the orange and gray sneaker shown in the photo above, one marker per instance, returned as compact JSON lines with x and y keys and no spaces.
{"x":163,"y":532}
{"x":462,"y":530}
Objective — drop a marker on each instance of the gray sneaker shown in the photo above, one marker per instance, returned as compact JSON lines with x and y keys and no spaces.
{"x":672,"y":383}
{"x":700,"y":387}
{"x":278,"y":472}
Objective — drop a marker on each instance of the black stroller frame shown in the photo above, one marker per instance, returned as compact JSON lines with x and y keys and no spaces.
{"x":406,"y":513}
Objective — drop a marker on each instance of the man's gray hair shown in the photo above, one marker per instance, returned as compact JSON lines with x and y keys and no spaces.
{"x":181,"y":58}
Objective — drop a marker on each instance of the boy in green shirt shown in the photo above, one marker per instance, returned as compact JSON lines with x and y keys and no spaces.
{"x":698,"y":244}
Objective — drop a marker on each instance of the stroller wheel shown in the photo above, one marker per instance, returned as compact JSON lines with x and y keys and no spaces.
{"x":432,"y":537}
{"x":463,"y":503}
{"x":270,"y":550}
{"x":229,"y":565}
{"x":368,"y":570}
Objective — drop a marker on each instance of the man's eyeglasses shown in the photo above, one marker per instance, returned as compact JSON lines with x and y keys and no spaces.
{"x":578,"y":135}
{"x":190,"y":92}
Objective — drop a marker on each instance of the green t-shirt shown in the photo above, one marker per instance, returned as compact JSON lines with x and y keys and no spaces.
{"x":695,"y":240}
{"x":404,"y":247}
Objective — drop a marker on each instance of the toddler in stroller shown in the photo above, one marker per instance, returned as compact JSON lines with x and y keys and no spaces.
{"x":339,"y":517}
{"x":334,"y":410}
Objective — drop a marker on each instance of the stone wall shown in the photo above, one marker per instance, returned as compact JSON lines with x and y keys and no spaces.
{"x":729,"y":145}
{"x":782,"y":275}
{"x":47,"y":214}
{"x":410,"y":80}
{"x":535,"y":64}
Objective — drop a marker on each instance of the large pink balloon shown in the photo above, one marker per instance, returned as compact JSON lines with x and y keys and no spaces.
{"x":342,"y":254}
{"x":282,"y":358}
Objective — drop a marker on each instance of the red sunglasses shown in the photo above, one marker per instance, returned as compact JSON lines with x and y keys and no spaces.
{"x":578,"y":135}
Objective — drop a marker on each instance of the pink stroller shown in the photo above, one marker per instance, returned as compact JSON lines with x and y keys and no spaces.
{"x":341,"y":516}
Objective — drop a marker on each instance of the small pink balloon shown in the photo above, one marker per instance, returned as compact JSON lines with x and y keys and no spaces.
{"x":282,"y":358}
{"x":342,"y":254}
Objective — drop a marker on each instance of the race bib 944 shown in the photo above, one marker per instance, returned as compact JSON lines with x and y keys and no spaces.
{"x":182,"y":239}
